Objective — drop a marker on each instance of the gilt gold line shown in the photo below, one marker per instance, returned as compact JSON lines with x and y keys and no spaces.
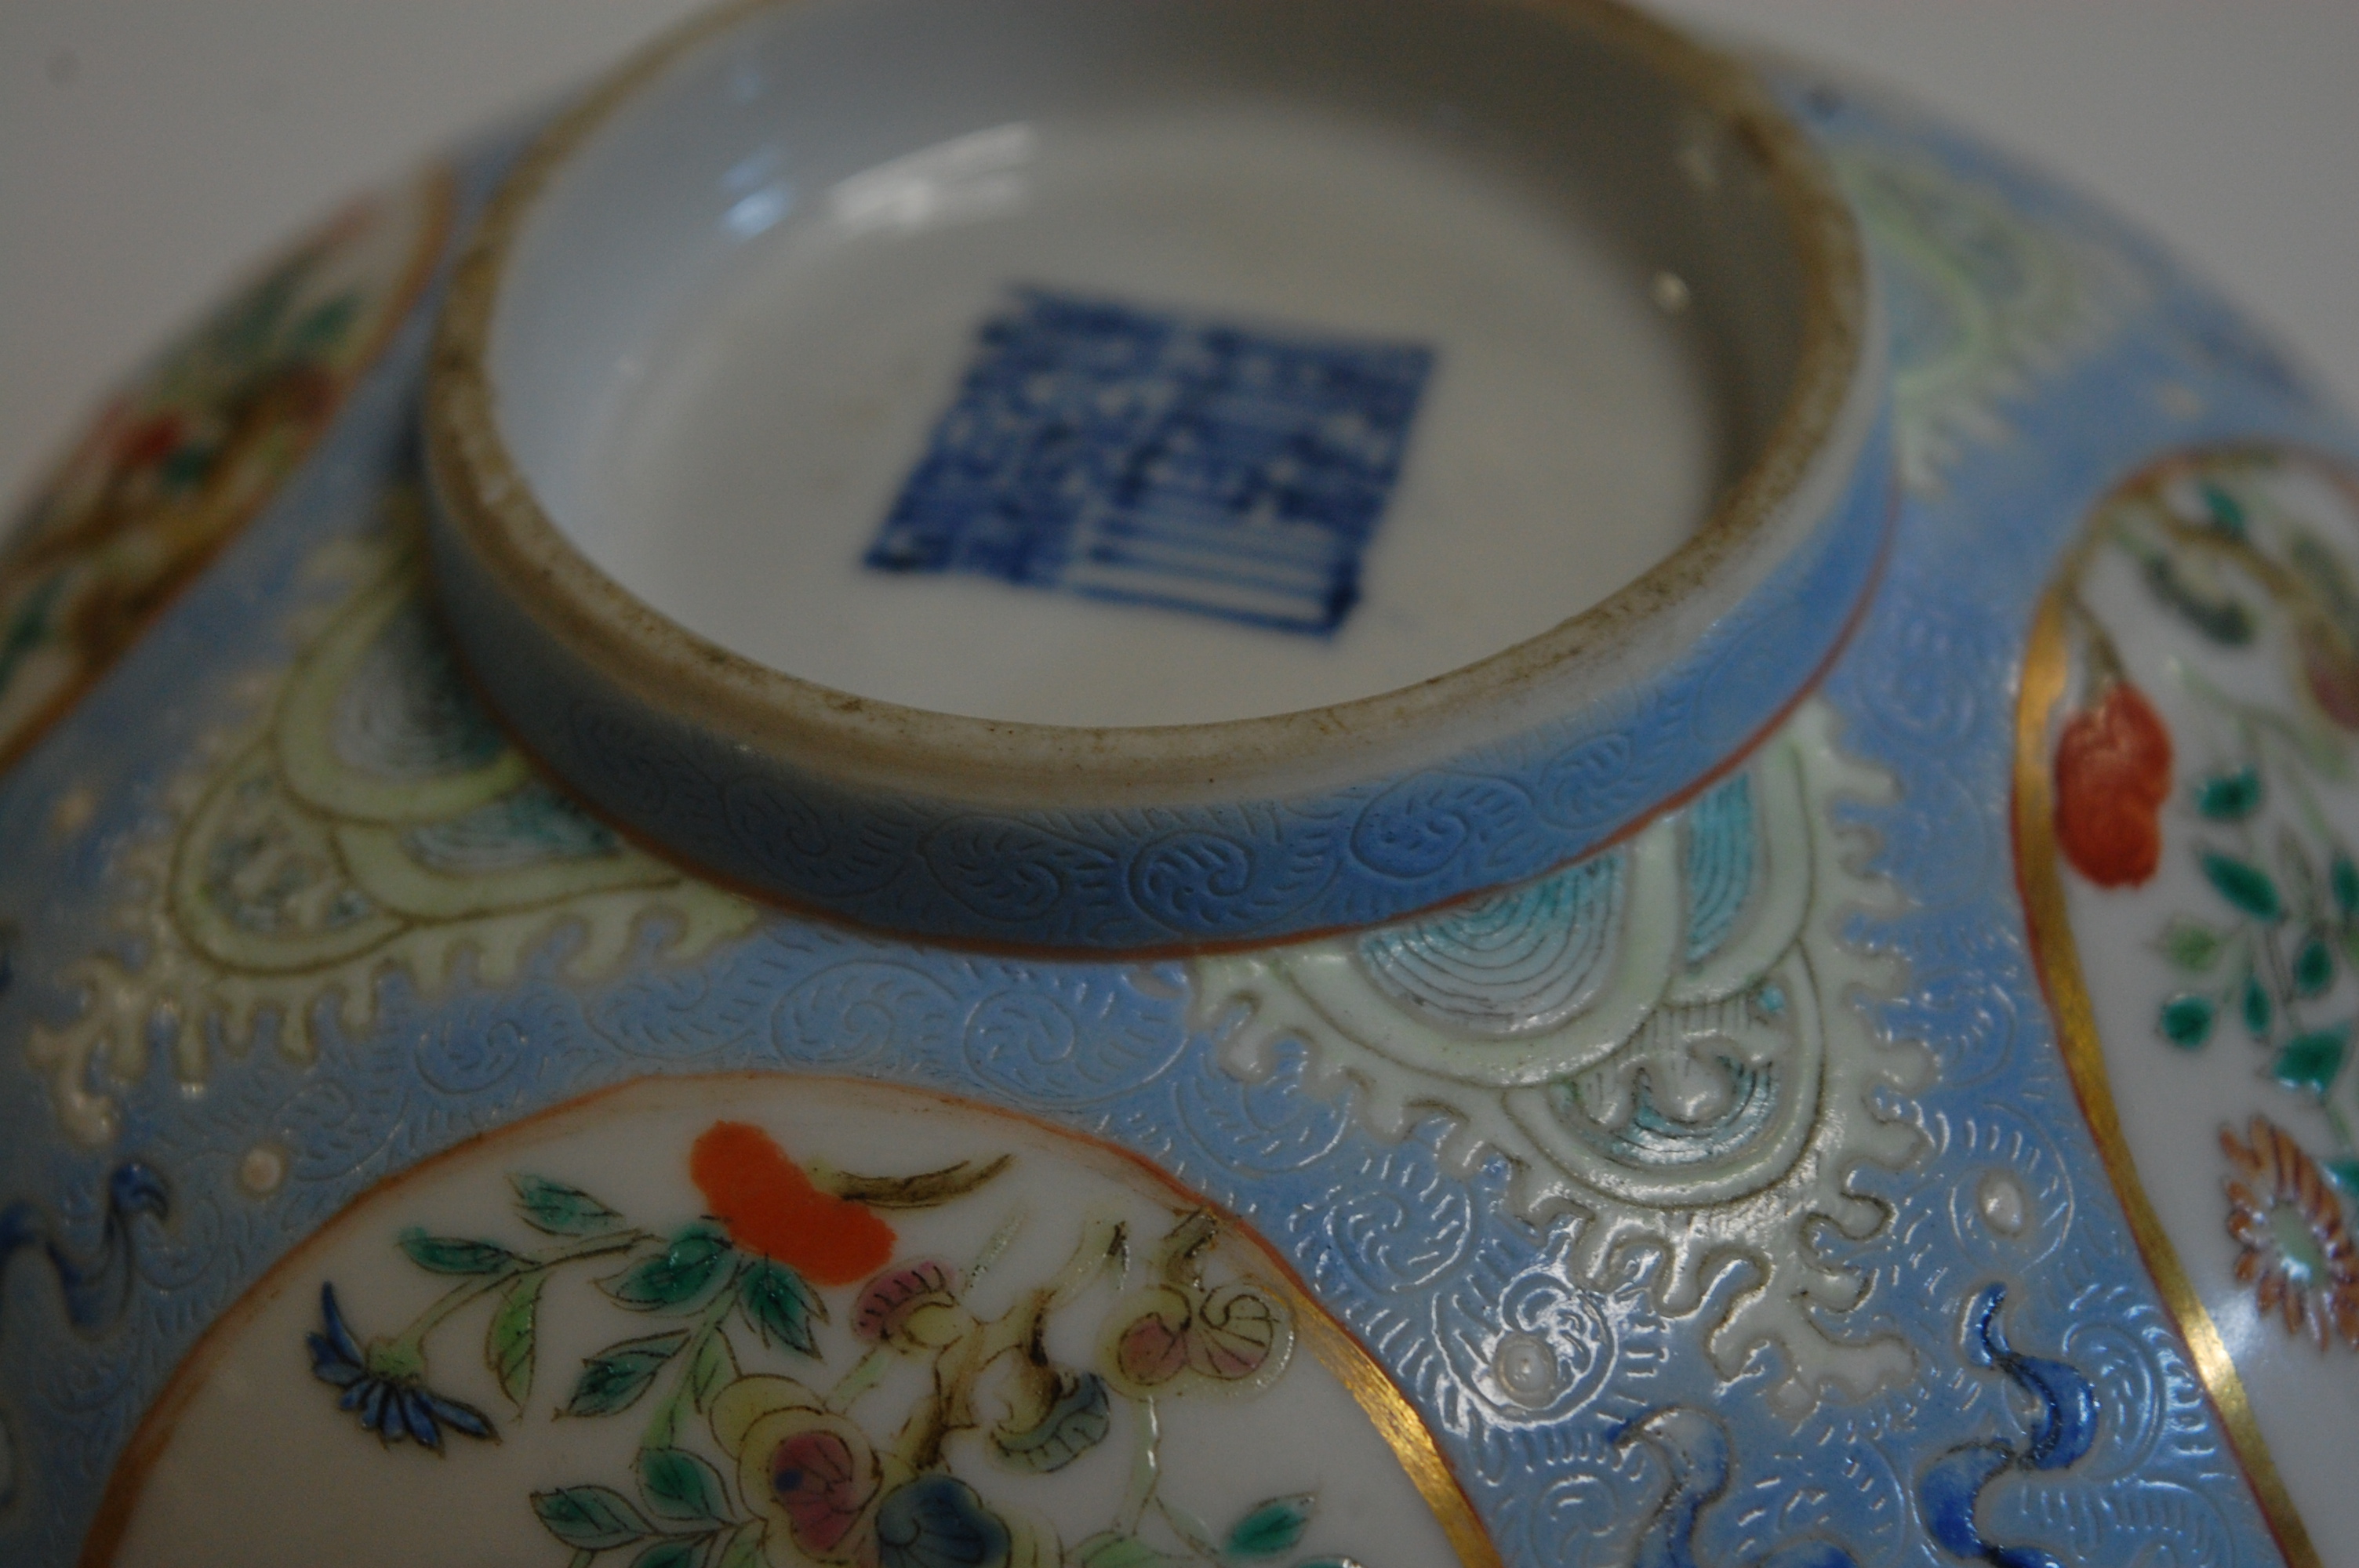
{"x":1411,"y":1442}
{"x":2047,"y":666}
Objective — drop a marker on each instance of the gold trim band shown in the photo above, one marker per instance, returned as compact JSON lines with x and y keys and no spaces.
{"x":2045,"y":664}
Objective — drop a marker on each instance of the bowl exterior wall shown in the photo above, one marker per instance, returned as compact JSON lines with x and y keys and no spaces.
{"x":1935,"y":1123}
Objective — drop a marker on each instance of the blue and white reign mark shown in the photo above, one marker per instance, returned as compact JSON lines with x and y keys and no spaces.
{"x":1161,"y":459}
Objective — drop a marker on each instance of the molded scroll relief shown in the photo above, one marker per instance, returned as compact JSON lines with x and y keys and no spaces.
{"x":1666,"y":1040}
{"x":373,"y":820}
{"x":1984,"y":301}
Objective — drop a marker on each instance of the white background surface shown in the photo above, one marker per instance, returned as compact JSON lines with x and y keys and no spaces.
{"x":150,"y":149}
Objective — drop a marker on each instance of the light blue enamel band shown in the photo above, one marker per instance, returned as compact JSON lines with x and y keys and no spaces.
{"x":1167,"y":877}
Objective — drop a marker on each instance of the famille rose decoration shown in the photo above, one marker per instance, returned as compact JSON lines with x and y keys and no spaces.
{"x":1178,"y":784}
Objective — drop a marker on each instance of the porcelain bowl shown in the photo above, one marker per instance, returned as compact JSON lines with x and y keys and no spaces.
{"x":1251,"y":786}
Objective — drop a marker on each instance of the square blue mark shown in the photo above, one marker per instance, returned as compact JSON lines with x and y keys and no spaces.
{"x":1160,"y":458}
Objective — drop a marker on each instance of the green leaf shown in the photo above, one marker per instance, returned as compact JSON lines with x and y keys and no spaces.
{"x":713,"y":1370}
{"x":663,"y":1427}
{"x":781,"y":1306}
{"x":2259,"y":1010}
{"x":317,"y":332}
{"x":615,"y":1378}
{"x":2185,"y":1020}
{"x":678,"y":1485}
{"x":744,"y":1549}
{"x":671,"y":1554}
{"x":2311,"y":1061}
{"x":675,"y":1277}
{"x":2230,"y":798}
{"x":1111,"y":1549}
{"x":451,"y":1255}
{"x":2219,"y":616}
{"x":559,"y":1210}
{"x":2345,"y":1174}
{"x":2313,"y":967}
{"x":249,"y":323}
{"x":508,"y":1343}
{"x":1272,"y":1527}
{"x":187,"y":467}
{"x":2344,"y":878}
{"x":2227,"y":515}
{"x":2191,"y":946}
{"x":2246,"y":885}
{"x":590,"y":1518}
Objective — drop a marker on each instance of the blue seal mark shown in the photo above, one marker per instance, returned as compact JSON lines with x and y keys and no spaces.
{"x":1164,"y":459}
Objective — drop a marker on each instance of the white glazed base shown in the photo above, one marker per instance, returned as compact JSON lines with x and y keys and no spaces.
{"x":1564,"y":443}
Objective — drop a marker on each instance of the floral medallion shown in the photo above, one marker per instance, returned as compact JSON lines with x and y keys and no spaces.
{"x":800,"y":1322}
{"x":179,"y":462}
{"x":2188,"y":810}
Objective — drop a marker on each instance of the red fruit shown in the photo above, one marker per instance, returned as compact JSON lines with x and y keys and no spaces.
{"x":771,"y":1206}
{"x":150,"y":441}
{"x":2113,"y":774}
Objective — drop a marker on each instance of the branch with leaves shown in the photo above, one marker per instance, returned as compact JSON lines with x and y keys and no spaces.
{"x":736,"y":1468}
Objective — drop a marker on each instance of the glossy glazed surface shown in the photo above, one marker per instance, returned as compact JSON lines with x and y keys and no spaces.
{"x":737,"y":483}
{"x":2003,"y":1371}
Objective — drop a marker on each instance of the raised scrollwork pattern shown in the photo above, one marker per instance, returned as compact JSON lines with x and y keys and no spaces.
{"x":1983,"y":301}
{"x":1661,"y":1039}
{"x":373,"y":821}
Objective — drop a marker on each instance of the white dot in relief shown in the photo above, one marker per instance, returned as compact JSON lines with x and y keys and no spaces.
{"x":1525,"y":1368}
{"x":2001,"y":1201}
{"x":1670,"y":292}
{"x":263,"y":1169}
